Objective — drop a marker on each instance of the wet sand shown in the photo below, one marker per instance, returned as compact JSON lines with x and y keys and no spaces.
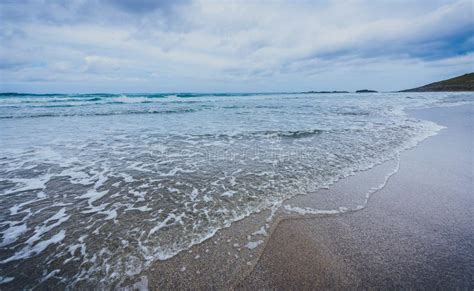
{"x":416,"y":232}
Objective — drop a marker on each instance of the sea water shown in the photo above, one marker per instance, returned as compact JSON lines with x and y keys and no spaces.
{"x":96,"y":187}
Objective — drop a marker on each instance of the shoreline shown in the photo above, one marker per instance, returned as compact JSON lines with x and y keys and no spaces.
{"x":201,"y":266}
{"x":334,"y":271}
{"x":300,"y":236}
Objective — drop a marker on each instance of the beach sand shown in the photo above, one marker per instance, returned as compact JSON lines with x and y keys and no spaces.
{"x":416,"y":232}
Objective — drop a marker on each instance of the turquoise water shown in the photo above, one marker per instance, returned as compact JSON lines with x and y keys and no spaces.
{"x":96,"y":187}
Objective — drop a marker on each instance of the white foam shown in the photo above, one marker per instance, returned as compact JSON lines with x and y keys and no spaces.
{"x":14,"y":209}
{"x":253,"y":244}
{"x":51,"y":274}
{"x":37,"y":183}
{"x":93,"y":195}
{"x":171,"y":216}
{"x":141,"y":208}
{"x":37,"y":248}
{"x":262,"y":231}
{"x":174,"y":171}
{"x":40,"y":230}
{"x":228,"y":193}
{"x":126,"y":99}
{"x":12,"y":233}
{"x":274,"y":208}
{"x":307,"y":210}
{"x":4,"y":280}
{"x":111,"y":214}
{"x":194,"y":194}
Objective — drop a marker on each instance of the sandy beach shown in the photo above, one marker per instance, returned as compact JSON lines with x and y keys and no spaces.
{"x":416,"y":232}
{"x":236,"y":145}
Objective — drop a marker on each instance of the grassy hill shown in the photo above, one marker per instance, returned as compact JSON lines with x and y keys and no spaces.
{"x":461,"y":83}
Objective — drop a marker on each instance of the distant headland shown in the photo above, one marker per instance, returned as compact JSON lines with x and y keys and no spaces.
{"x":460,"y":83}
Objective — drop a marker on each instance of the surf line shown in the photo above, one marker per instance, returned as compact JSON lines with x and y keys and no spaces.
{"x":341,"y":210}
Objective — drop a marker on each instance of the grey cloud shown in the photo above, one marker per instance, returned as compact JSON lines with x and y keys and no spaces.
{"x":146,"y":6}
{"x":60,"y":12}
{"x":231,"y":41}
{"x":6,"y":64}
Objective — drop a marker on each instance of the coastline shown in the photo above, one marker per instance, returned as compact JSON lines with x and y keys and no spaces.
{"x":236,"y":145}
{"x":415,"y":232}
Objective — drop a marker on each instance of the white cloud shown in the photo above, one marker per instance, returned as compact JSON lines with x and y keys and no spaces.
{"x":243,"y":46}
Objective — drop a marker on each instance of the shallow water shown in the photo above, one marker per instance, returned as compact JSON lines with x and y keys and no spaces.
{"x":94,"y":188}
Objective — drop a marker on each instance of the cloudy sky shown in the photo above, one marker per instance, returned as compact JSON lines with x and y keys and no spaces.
{"x":232,"y":46}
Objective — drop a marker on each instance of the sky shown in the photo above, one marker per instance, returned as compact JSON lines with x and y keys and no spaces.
{"x":120,"y":46}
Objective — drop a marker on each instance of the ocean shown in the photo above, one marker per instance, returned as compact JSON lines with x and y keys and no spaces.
{"x":96,"y":187}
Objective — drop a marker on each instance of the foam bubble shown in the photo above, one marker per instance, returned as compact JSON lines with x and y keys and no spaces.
{"x":37,"y":248}
{"x":253,"y":244}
